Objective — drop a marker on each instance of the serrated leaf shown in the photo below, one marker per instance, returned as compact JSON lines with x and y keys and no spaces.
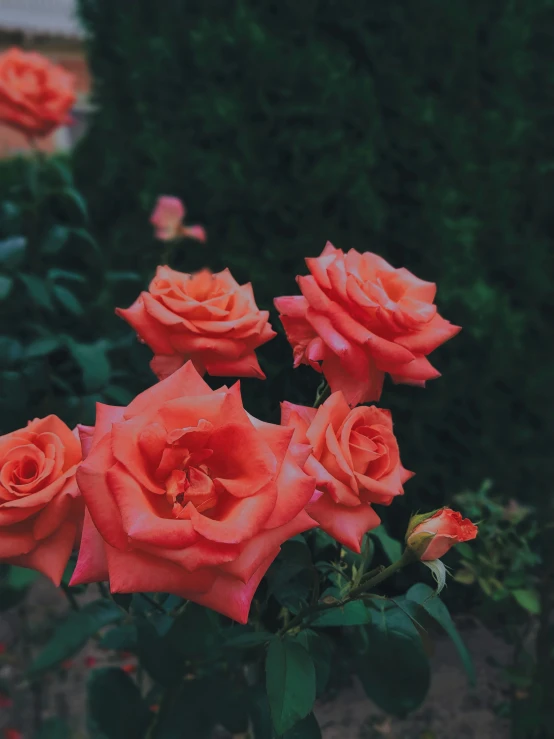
{"x":12,"y":251}
{"x":115,"y":704}
{"x":425,"y":597}
{"x":68,"y":300}
{"x":528,"y":599}
{"x":391,"y":547}
{"x":290,"y":683}
{"x":56,"y":239}
{"x":352,"y":614}
{"x":72,"y":633}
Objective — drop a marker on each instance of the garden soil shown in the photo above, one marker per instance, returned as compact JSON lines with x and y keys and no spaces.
{"x":453,"y":709}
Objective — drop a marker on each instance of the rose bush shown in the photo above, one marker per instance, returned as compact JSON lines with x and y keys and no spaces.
{"x":35,"y":94}
{"x":355,"y":462}
{"x":432,"y":535}
{"x":41,"y":510}
{"x":359,"y":318}
{"x":206,"y":317}
{"x":188,"y":494}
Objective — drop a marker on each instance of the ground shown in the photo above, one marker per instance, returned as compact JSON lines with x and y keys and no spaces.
{"x":453,"y":710}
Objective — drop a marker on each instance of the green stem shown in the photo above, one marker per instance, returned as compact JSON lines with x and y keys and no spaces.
{"x":380,"y":574}
{"x":153,"y":603}
{"x":70,"y":597}
{"x":322,"y":392}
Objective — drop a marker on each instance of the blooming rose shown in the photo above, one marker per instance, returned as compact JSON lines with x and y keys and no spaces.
{"x":188,"y":494}
{"x":431,"y":535}
{"x":35,"y":94}
{"x":41,"y":511}
{"x":358,"y":318}
{"x":206,"y":317}
{"x":167,"y":219}
{"x":355,"y":462}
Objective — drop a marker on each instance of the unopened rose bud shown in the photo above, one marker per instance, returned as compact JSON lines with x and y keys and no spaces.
{"x":431,"y":535}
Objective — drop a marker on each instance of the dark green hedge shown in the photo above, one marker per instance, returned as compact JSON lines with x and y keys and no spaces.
{"x":418,"y":129}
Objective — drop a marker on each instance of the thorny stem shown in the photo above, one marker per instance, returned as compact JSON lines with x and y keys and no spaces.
{"x":378,"y":576}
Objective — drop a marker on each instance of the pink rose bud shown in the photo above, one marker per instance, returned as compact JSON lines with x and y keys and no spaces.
{"x":167,"y":217}
{"x":198,"y":233}
{"x":431,"y":535}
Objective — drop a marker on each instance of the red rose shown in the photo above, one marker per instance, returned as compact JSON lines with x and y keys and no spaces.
{"x":41,"y":510}
{"x":167,"y":219}
{"x":206,"y":317}
{"x":432,"y":535}
{"x":35,"y":94}
{"x":188,"y":494}
{"x":355,"y":462}
{"x":358,"y":318}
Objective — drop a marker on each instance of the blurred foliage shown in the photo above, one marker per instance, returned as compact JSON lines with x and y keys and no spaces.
{"x":420,"y":130}
{"x":59,"y":339}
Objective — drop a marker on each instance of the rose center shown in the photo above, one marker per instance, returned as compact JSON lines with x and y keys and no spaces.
{"x":191,"y":483}
{"x":25,"y":472}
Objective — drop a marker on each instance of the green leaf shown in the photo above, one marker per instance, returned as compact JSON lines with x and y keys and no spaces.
{"x":72,"y":633}
{"x":6,"y":284}
{"x":53,"y":728}
{"x":64,"y":274}
{"x":12,"y":251}
{"x":112,"y":276}
{"x":188,"y":712}
{"x":529,"y":600}
{"x":122,"y":638}
{"x":391,"y":547}
{"x":157,"y":654}
{"x":425,"y":597}
{"x":249,"y":641}
{"x":394,"y":669}
{"x":352,"y":614}
{"x":11,"y":351}
{"x":94,"y":364}
{"x":77,"y":200}
{"x":117,"y":394}
{"x":38,"y":291}
{"x":68,"y":300}
{"x":56,"y":239}
{"x":42,"y":347}
{"x":20,"y":577}
{"x":290,"y":683}
{"x":115,"y":704}
{"x":320,"y":649}
{"x":308,"y":728}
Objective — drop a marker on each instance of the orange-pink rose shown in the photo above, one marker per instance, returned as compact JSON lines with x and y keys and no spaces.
{"x":359,"y":318}
{"x":35,"y":94}
{"x":167,"y":219}
{"x":208,"y":318}
{"x":186,"y":493}
{"x":41,"y":510}
{"x":432,"y":535}
{"x":355,"y":462}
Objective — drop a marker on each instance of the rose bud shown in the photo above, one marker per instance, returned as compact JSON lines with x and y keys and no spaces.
{"x":431,"y":535}
{"x":167,"y":219}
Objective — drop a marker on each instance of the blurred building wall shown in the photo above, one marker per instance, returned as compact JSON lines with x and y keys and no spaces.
{"x":51,"y":28}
